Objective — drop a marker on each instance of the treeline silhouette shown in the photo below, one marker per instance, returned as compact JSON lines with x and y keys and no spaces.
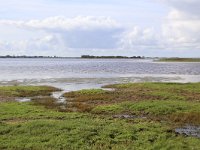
{"x":118,"y":57}
{"x":83,"y":56}
{"x":24,"y":56}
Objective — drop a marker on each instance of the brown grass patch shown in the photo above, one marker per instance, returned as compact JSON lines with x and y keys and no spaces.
{"x":48,"y":102}
{"x":10,"y":93}
{"x":136,"y":92}
{"x":192,"y":118}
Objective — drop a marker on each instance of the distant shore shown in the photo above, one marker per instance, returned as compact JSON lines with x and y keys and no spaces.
{"x":156,"y":59}
{"x":82,"y":57}
{"x":112,"y":57}
{"x":24,"y":56}
{"x":179,"y":60}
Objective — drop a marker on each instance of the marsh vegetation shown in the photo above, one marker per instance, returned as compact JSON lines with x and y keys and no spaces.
{"x":131,"y":116}
{"x":179,"y":60}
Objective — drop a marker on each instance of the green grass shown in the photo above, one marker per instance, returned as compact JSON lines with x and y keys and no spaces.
{"x":17,"y":111}
{"x":158,"y":107}
{"x":87,"y":92}
{"x":161,"y":101}
{"x":34,"y":127}
{"x":150,"y":107}
{"x":134,"y":92}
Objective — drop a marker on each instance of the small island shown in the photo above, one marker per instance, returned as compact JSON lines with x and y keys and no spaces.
{"x":112,"y":57}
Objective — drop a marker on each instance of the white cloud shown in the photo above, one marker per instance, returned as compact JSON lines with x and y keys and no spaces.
{"x":179,"y":32}
{"x":79,"y":32}
{"x":138,"y":38}
{"x":181,"y":29}
{"x":48,"y":45}
{"x":58,"y":23}
{"x":191,"y":7}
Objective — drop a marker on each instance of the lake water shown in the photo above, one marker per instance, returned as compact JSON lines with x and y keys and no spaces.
{"x":75,"y":74}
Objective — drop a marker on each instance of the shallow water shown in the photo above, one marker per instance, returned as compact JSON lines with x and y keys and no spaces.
{"x":189,"y":131}
{"x":23,"y":99}
{"x":75,"y":74}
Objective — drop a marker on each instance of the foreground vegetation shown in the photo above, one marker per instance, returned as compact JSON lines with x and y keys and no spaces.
{"x":180,"y":60}
{"x":131,"y":116}
{"x":9,"y":93}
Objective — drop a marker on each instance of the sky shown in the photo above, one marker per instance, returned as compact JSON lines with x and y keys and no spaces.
{"x":151,"y":28}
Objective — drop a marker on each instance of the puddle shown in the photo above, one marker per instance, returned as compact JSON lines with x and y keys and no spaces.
{"x":189,"y":131}
{"x":108,"y":89}
{"x":127,"y":116}
{"x":59,"y":97}
{"x":22,"y":99}
{"x":59,"y":94}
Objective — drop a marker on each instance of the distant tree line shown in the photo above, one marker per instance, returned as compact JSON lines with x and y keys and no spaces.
{"x":83,"y":56}
{"x":24,"y":56}
{"x":118,"y":57}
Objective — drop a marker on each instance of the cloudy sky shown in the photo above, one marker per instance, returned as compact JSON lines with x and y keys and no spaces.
{"x":100,"y":27}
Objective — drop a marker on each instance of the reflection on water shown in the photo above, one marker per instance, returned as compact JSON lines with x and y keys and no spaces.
{"x":75,"y":74}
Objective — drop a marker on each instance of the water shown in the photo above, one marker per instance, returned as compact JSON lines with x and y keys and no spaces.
{"x":189,"y":131}
{"x":75,"y":74}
